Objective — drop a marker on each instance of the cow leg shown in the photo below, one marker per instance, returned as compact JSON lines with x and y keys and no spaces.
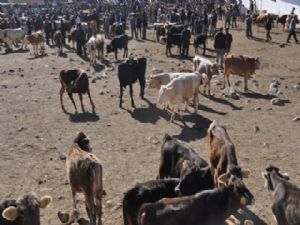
{"x":116,"y":54}
{"x":131,"y":95}
{"x":208,"y":84}
{"x":224,"y":74}
{"x":89,"y":94}
{"x":72,"y":99}
{"x":204,"y":48}
{"x":121,"y":96}
{"x":228,"y":82}
{"x":80,"y":98}
{"x":90,"y":207}
{"x":74,"y":198}
{"x":196,"y":101}
{"x":62,"y":90}
{"x":246,"y":83}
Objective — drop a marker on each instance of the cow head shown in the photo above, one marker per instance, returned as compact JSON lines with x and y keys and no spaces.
{"x":27,"y":209}
{"x":215,"y":69}
{"x":83,"y":141}
{"x":162,"y":95}
{"x":240,"y":194}
{"x":272,"y":173}
{"x":154,"y":82}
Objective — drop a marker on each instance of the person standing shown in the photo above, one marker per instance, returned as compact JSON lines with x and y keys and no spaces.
{"x":268,"y":27}
{"x":29,"y":26}
{"x":133,"y":23}
{"x":106,"y":25}
{"x":220,"y":46}
{"x":80,"y":40}
{"x":292,"y":29}
{"x":228,"y":38}
{"x":248,"y":25}
{"x":139,"y":26}
{"x":145,"y":25}
{"x":63,"y":30}
{"x":47,"y":29}
{"x":228,"y":17}
{"x":185,"y":41}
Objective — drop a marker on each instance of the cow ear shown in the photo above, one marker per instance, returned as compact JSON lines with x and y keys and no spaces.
{"x":285,"y":176}
{"x":246,"y":173}
{"x":45,"y":201}
{"x":222,"y":179}
{"x":10,"y":213}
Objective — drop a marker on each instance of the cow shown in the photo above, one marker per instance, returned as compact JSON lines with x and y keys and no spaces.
{"x":194,"y":178}
{"x":160,"y":30}
{"x":240,"y":65}
{"x":72,"y":36}
{"x":12,"y":36}
{"x":84,"y":172}
{"x":72,"y":218}
{"x":205,"y":66}
{"x":173,"y":154}
{"x":95,"y":43}
{"x":157,"y":80}
{"x":173,"y":39}
{"x":128,"y":73}
{"x":285,"y":196}
{"x":58,"y":40}
{"x":150,"y":191}
{"x":74,"y":81}
{"x":180,"y":90}
{"x":208,"y":207}
{"x":116,"y":43}
{"x":23,"y":211}
{"x":200,"y":39}
{"x":35,"y":40}
{"x":221,"y":154}
{"x":282,"y":19}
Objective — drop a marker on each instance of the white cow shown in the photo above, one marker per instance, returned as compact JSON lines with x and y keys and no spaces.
{"x":180,"y":90}
{"x":91,"y":50}
{"x":11,"y":36}
{"x":205,"y":66}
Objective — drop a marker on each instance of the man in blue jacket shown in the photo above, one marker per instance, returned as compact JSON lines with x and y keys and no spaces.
{"x":292,"y":29}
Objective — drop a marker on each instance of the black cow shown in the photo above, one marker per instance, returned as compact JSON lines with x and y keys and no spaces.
{"x":23,"y":211}
{"x":209,"y":207}
{"x":194,"y":179}
{"x":176,"y":29}
{"x":128,"y":73}
{"x":200,"y":39}
{"x":118,"y":42}
{"x":286,"y":197}
{"x":173,"y":39}
{"x":147,"y":192}
{"x":160,"y":31}
{"x":173,"y":154}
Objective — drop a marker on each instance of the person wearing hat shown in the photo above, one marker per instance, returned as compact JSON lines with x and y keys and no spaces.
{"x":292,"y":29}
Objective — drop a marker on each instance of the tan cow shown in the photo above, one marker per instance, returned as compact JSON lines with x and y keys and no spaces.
{"x":85,"y":176}
{"x":221,"y":153}
{"x":240,"y":65}
{"x":35,"y":40}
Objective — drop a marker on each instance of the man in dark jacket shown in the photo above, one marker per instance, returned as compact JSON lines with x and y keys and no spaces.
{"x":63,"y":30}
{"x":185,"y":42}
{"x":268,"y":27}
{"x":228,"y":38}
{"x":145,"y":25}
{"x":80,"y":40}
{"x":220,"y":46}
{"x":47,"y":28}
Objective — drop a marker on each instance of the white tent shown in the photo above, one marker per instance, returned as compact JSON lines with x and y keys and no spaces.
{"x":279,"y":7}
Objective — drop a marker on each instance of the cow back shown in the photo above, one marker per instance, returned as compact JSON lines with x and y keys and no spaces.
{"x":240,"y":65}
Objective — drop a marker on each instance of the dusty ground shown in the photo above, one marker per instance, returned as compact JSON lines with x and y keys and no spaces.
{"x":35,"y":131}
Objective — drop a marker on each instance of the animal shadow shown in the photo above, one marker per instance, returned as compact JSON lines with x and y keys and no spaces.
{"x":225,"y":102}
{"x":83,"y":117}
{"x":252,"y":94}
{"x":197,"y":131}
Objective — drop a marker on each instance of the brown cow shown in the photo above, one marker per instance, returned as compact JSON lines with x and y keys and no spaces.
{"x":85,"y":176}
{"x":23,"y":211}
{"x":74,"y":81}
{"x":58,"y":40}
{"x":282,"y":19}
{"x":240,"y":65}
{"x":221,"y":153}
{"x":211,"y":207}
{"x":35,"y":40}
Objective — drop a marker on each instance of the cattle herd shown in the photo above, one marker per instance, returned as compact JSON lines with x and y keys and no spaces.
{"x":187,"y":190}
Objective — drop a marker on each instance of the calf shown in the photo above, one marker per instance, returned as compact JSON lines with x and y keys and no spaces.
{"x":286,"y":197}
{"x":194,"y":179}
{"x":205,"y":66}
{"x":180,"y":90}
{"x":240,"y":65}
{"x":23,"y":211}
{"x":157,"y":80}
{"x":118,"y":42}
{"x":282,"y":19}
{"x":58,"y":40}
{"x":84,"y":172}
{"x":173,"y":153}
{"x":147,"y":192}
{"x":221,"y":153}
{"x":35,"y":40}
{"x":200,"y":39}
{"x":209,"y":207}
{"x":128,"y":73}
{"x":74,"y":81}
{"x":95,"y":43}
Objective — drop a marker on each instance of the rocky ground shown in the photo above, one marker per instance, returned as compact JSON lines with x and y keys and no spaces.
{"x":35,"y":133}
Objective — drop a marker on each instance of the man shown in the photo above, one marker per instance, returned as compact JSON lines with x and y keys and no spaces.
{"x":268,"y":27}
{"x":214,"y":20}
{"x":88,"y":32}
{"x":248,"y":25}
{"x":220,"y":46}
{"x":293,"y":11}
{"x":106,"y":25}
{"x":228,"y":17}
{"x":145,"y":25}
{"x":292,"y":29}
{"x":185,"y":42}
{"x":47,"y":28}
{"x":133,"y":23}
{"x":80,"y":40}
{"x":63,"y":30}
{"x":228,"y":38}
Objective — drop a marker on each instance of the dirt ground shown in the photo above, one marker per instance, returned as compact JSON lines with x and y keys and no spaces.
{"x":35,"y":131}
